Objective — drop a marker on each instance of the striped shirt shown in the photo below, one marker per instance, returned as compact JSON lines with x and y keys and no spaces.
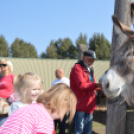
{"x":31,"y":119}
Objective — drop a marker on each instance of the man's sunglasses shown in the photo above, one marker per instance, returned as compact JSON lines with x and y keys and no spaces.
{"x":4,"y":65}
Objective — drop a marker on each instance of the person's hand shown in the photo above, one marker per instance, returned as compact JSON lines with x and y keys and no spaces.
{"x":99,"y":86}
{"x":101,"y":94}
{"x":99,"y":90}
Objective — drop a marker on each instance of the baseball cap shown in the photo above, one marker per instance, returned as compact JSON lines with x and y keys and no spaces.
{"x":90,"y":54}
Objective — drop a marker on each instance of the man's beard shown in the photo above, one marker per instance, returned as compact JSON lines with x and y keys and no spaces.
{"x":87,"y":66}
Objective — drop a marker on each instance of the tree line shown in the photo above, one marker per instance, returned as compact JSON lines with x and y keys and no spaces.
{"x":59,"y":49}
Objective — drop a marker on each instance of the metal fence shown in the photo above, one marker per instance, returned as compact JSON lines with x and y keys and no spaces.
{"x":45,"y":68}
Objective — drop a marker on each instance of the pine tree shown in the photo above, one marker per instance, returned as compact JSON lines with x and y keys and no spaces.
{"x":101,"y":46}
{"x":4,"y":49}
{"x":22,"y":49}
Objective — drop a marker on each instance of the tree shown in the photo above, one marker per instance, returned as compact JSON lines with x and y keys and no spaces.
{"x":93,"y":41}
{"x":73,"y":53}
{"x":101,"y":46}
{"x":3,"y":47}
{"x":58,"y":48}
{"x":32,"y":51}
{"x":15,"y":48}
{"x":65,"y":49}
{"x":51,"y":51}
{"x":22,"y":49}
{"x":82,"y":39}
{"x":43,"y":55}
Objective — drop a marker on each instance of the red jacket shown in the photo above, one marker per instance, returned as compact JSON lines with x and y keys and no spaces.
{"x":83,"y":89}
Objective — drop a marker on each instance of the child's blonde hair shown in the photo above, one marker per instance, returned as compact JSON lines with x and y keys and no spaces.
{"x":9,"y":63}
{"x":25,"y":81}
{"x":59,"y":98}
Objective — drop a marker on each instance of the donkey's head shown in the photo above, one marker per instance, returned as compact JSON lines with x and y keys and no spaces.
{"x":119,"y":79}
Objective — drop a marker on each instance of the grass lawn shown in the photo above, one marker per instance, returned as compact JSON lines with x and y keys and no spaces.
{"x":96,"y":124}
{"x":98,"y":128}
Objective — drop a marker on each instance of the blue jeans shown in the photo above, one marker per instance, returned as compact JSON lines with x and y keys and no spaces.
{"x":2,"y":120}
{"x":83,"y":123}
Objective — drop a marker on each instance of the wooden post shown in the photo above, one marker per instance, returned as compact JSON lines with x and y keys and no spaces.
{"x":116,"y":111}
{"x":82,"y":48}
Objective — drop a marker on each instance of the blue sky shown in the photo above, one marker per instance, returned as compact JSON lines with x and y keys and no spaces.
{"x":40,"y":21}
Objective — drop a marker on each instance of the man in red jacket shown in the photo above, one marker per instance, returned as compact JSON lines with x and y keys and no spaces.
{"x":82,"y":82}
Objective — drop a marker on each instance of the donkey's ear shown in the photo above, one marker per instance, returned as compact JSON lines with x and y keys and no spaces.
{"x":122,"y":30}
{"x":121,"y":27}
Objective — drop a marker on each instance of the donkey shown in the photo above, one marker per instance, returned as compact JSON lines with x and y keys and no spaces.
{"x":118,"y":80}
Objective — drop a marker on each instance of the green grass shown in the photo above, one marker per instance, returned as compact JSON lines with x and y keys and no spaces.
{"x":95,"y":125}
{"x":98,"y":125}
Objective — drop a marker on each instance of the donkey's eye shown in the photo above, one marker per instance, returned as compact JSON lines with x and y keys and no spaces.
{"x":107,"y":85}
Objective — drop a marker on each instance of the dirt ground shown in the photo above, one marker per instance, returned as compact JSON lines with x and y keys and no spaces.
{"x":98,"y":128}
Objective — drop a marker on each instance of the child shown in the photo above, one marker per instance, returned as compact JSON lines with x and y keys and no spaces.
{"x":28,"y":86}
{"x":38,"y":118}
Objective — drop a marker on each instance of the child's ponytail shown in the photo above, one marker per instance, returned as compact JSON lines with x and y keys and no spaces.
{"x":16,"y":82}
